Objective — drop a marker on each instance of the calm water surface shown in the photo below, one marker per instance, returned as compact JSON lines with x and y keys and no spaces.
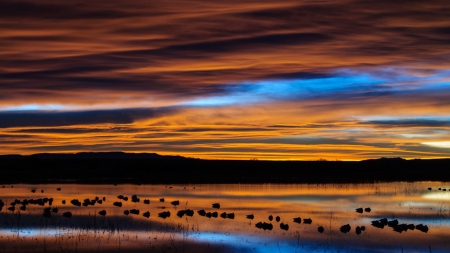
{"x":329,"y":206}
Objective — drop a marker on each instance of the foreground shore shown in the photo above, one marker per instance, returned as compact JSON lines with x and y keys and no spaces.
{"x":154,"y":169}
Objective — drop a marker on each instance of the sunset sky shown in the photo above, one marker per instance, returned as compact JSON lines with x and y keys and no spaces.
{"x":278,"y":80}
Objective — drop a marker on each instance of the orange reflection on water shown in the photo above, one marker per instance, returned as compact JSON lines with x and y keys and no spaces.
{"x":330,"y":206}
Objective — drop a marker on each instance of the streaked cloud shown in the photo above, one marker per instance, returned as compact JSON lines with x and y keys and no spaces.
{"x":340,"y":79}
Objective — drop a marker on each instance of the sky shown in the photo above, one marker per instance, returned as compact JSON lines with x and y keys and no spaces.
{"x":275,"y":80}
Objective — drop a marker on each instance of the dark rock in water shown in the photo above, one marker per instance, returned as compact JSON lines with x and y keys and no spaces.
{"x":284,"y":226}
{"x":216,"y":205}
{"x":67,"y":214}
{"x":250,"y":216}
{"x":367,"y":209}
{"x":298,"y":220}
{"x":345,"y":229}
{"x":175,"y":203}
{"x":164,"y":214}
{"x":307,"y":221}
{"x":146,"y":214}
{"x":392,"y":223}
{"x":358,"y":230}
{"x":102,"y":213}
{"x":320,"y":229}
{"x":423,"y":228}
{"x":359,"y":210}
{"x":202,"y":212}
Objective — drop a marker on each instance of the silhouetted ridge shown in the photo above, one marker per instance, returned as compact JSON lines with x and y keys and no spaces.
{"x":95,"y":155}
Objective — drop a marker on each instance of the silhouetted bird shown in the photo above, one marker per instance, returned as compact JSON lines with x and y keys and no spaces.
{"x":42,"y":191}
{"x":33,"y":191}
{"x":307,"y":221}
{"x":175,"y":203}
{"x":265,"y":226}
{"x":423,"y":228}
{"x":125,"y":198}
{"x":104,"y":199}
{"x":277,"y":218}
{"x":208,"y":214}
{"x":320,"y":229}
{"x":164,"y":214}
{"x":439,"y":189}
{"x":58,"y":189}
{"x":23,"y":208}
{"x":411,"y":226}
{"x":429,"y":188}
{"x":202,"y":212}
{"x":284,"y":226}
{"x":215,"y":214}
{"x":120,"y":197}
{"x":75,"y":202}
{"x":363,"y":228}
{"x":392,"y":223}
{"x":367,"y":209}
{"x":119,"y":204}
{"x":126,"y":212}
{"x":359,"y":210}
{"x":54,"y":210}
{"x":189,"y":212}
{"x":146,"y":214}
{"x":358,"y":230}
{"x":230,"y":215}
{"x":12,"y":208}
{"x":384,"y":221}
{"x":223,"y":215}
{"x":100,"y":201}
{"x":135,"y":199}
{"x":181,"y":213}
{"x":250,"y":216}
{"x":63,"y":202}
{"x":444,"y":189}
{"x":161,"y":200}
{"x":270,"y":217}
{"x":47,"y":212}
{"x":102,"y":213}
{"x":377,"y":224}
{"x":345,"y":229}
{"x":298,"y":220}
{"x":216,"y":205}
{"x":67,"y":214}
{"x":146,"y":201}
{"x":134,"y":211}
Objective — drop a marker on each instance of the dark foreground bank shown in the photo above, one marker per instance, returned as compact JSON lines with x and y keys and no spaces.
{"x":105,"y":168}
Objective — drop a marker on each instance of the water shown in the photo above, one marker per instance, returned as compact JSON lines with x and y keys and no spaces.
{"x":329,"y":206}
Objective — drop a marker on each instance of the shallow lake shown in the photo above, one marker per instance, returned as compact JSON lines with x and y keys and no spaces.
{"x":33,"y":218}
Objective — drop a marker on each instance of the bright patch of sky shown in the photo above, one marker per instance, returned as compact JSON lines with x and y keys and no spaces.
{"x":438,"y":144}
{"x":344,"y":82}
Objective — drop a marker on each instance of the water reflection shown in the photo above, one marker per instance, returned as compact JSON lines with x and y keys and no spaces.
{"x":385,"y":217}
